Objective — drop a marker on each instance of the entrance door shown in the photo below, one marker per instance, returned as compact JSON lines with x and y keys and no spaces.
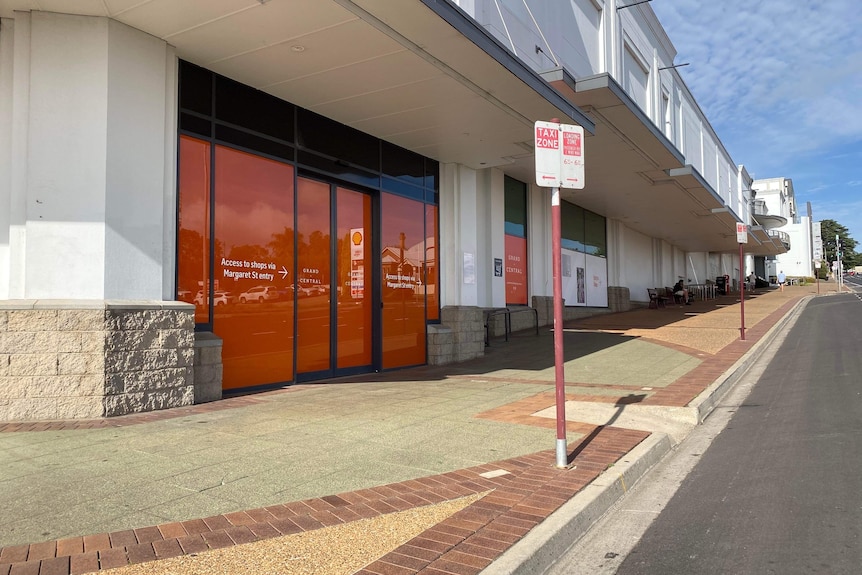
{"x":333,"y":281}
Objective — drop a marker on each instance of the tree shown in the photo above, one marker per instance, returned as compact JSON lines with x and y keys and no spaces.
{"x":829,"y":229}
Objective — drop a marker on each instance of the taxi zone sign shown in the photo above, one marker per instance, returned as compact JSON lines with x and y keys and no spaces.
{"x":559,"y":155}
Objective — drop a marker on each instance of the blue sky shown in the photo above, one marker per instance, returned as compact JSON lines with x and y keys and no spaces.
{"x":781,"y":83}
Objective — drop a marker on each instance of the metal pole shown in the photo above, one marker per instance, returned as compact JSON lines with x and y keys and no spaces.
{"x":741,"y":298}
{"x":559,"y":357}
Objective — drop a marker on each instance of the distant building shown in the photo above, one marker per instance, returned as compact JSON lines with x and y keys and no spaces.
{"x":775,"y":204}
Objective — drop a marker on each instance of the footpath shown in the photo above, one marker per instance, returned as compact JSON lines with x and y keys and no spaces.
{"x":432,"y":470}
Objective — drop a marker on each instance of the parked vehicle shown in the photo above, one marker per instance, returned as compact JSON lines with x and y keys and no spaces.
{"x":223,"y":298}
{"x":259,"y":294}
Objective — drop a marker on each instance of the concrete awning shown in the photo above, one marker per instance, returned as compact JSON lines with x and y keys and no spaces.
{"x":636,"y":175}
{"x":418,"y":73}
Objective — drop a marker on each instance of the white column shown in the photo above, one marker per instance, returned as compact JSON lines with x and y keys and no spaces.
{"x":495,"y":237}
{"x":539,"y":242}
{"x":459,"y":236}
{"x":93,"y":137}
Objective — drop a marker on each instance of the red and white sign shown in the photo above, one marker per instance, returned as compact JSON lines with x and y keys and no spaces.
{"x":741,"y":233}
{"x":572,"y":175}
{"x":559,"y":155}
{"x":547,"y":145}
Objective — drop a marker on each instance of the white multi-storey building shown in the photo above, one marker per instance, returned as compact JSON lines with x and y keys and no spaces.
{"x":206,"y":196}
{"x":778,"y":201}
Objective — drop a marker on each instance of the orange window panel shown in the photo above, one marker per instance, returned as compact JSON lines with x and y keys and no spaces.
{"x":402,"y":237}
{"x":432,"y":262}
{"x":254,"y":245}
{"x":313,"y":284}
{"x":193,"y":243}
{"x":353,"y":287}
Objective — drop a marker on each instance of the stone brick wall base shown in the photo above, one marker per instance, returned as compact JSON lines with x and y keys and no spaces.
{"x":461,"y":334}
{"x":459,"y":337}
{"x":92,"y":358}
{"x":207,"y":367}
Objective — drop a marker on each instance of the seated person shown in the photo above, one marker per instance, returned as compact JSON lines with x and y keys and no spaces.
{"x":680,"y":292}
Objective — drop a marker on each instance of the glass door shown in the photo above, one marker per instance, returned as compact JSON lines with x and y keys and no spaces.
{"x":333,"y":281}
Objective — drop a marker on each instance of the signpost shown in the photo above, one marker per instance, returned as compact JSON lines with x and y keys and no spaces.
{"x":559,"y":163}
{"x":817,"y":274}
{"x":741,"y":238}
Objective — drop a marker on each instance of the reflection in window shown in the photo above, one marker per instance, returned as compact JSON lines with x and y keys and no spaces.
{"x":354,"y":290}
{"x":313,"y":276}
{"x":595,"y":237}
{"x":432,"y":277}
{"x":253,"y":268}
{"x":572,"y":226}
{"x":515,"y":267}
{"x":402,"y":253}
{"x":582,"y":230}
{"x":194,"y":216}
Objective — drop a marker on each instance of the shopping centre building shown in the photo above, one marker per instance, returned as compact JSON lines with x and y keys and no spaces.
{"x":206,"y":197}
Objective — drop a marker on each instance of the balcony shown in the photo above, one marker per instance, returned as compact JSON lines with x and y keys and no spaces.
{"x":782,"y":237}
{"x":760,"y":213}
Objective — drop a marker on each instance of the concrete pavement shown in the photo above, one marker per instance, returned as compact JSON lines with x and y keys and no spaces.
{"x":83,"y":496}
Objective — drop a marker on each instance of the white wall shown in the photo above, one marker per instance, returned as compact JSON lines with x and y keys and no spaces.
{"x":7,"y":30}
{"x":635,"y":269}
{"x":459,"y":234}
{"x":65,"y":187}
{"x":797,"y":261}
{"x":137,"y":133}
{"x":91,"y":185}
{"x":539,"y":242}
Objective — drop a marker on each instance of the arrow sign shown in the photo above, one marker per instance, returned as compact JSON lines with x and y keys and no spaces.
{"x":559,"y":155}
{"x":283,"y":272}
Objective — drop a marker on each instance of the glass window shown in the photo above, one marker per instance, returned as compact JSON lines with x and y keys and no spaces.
{"x":196,"y":125}
{"x":193,"y":260}
{"x":516,"y":207}
{"x":252,"y":109}
{"x":402,"y":189}
{"x":312,"y":276}
{"x":572,"y":228}
{"x":340,"y":169}
{"x":432,"y":270}
{"x":515,"y":269}
{"x":403,"y":164}
{"x":595,"y":238}
{"x":195,"y":89}
{"x":254,"y":245}
{"x":354,"y":278}
{"x":249,"y":141}
{"x":314,"y":132}
{"x":402,"y":244}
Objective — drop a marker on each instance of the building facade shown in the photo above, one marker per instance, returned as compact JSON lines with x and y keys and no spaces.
{"x":216,"y":198}
{"x":777,"y":201}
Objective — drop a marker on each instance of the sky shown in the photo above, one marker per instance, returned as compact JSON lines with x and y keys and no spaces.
{"x":780,"y":81}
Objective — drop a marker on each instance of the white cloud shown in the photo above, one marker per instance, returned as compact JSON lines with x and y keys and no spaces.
{"x":780,"y":82}
{"x":788,"y":71}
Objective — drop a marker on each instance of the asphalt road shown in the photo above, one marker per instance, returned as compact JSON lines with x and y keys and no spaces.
{"x":777,"y":483}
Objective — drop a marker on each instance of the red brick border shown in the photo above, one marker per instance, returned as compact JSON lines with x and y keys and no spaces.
{"x":464,"y":543}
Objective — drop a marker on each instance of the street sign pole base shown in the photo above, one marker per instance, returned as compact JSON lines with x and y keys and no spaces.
{"x":562,"y":454}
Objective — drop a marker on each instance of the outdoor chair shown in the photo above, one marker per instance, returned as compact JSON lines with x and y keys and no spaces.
{"x":655,"y":300}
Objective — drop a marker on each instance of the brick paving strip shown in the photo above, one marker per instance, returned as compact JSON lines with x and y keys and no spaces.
{"x":525,"y":495}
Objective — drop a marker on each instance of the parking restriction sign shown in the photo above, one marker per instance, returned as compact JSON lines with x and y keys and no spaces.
{"x":559,"y":155}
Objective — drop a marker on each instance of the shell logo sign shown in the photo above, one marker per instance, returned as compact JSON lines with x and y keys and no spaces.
{"x":357,"y":244}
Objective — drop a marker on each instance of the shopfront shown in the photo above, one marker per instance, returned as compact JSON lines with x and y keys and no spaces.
{"x":307,"y":246}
